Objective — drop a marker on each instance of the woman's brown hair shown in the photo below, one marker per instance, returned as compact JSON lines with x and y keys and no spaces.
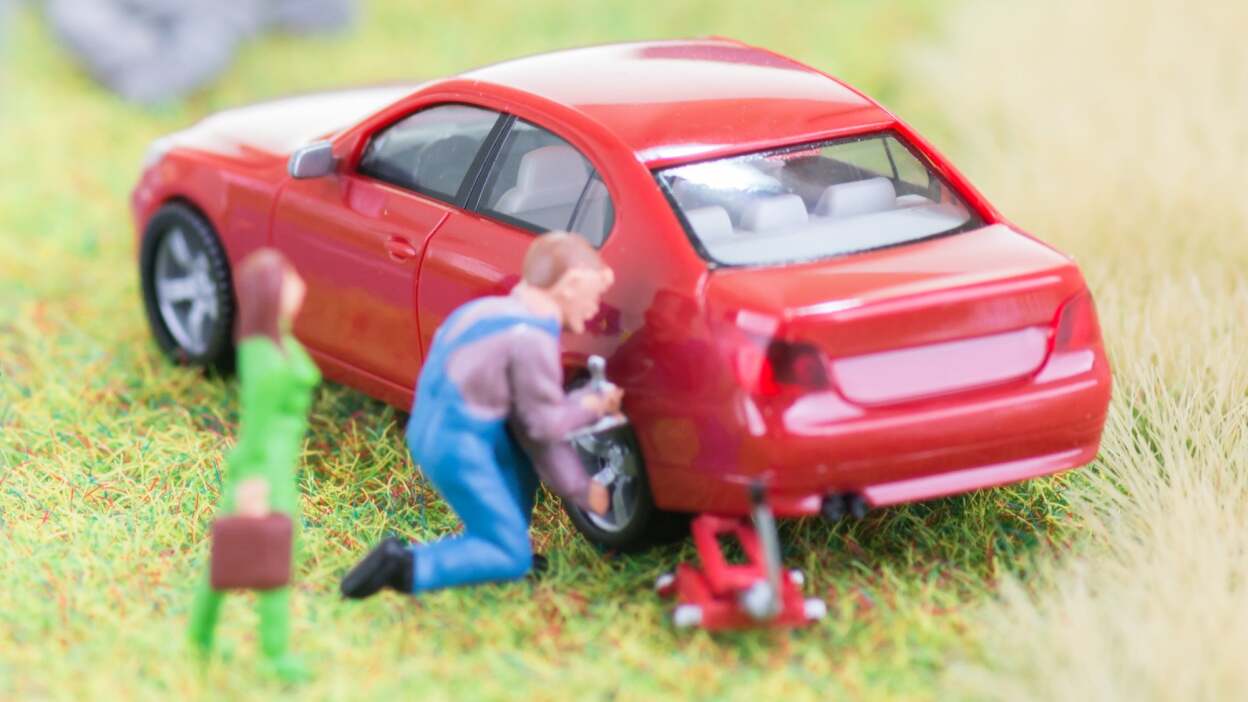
{"x":258,"y":282}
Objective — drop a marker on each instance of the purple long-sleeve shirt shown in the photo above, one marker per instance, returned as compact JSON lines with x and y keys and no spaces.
{"x":517,"y":374}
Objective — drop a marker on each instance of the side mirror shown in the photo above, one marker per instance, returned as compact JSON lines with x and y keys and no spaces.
{"x":312,"y":161}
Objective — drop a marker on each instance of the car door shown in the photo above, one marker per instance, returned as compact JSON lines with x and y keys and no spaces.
{"x":356,"y":237}
{"x":535,"y":183}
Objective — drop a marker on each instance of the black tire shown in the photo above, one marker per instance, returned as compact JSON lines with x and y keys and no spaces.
{"x":647,"y":525}
{"x":201,"y":259}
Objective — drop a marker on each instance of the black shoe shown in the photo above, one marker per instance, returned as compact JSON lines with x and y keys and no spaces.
{"x":540,"y":566}
{"x":389,"y":565}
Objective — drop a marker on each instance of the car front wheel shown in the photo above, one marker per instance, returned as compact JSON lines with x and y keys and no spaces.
{"x":186,"y":286}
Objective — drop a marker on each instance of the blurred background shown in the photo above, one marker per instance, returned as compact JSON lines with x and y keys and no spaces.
{"x":1116,"y":130}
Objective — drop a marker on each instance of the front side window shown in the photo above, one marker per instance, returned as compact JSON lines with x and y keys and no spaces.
{"x":541,"y":182}
{"x":430,"y":151}
{"x":814,"y":201}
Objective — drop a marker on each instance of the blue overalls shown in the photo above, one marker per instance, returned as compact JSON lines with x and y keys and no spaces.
{"x":476,"y":465}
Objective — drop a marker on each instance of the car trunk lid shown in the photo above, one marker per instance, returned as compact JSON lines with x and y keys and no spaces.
{"x":944,"y":315}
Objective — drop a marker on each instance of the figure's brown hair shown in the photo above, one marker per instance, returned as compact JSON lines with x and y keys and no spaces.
{"x":553,"y":254}
{"x":258,"y":283}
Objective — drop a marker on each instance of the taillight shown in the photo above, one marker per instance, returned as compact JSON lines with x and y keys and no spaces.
{"x":768,"y":371}
{"x":1077,"y":326}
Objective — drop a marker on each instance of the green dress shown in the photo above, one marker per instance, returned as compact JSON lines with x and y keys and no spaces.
{"x":276,"y":391}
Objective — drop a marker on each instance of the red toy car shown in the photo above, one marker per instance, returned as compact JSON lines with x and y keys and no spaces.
{"x":807,"y":292}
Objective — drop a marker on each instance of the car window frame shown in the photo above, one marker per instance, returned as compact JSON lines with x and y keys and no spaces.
{"x":477,"y":192}
{"x":480,"y":162}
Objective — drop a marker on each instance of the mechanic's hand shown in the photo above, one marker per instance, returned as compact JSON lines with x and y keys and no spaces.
{"x":599,"y":498}
{"x":604,"y":402}
{"x":612,"y":396}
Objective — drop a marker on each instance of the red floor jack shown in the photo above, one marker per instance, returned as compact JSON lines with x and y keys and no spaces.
{"x":723,"y":595}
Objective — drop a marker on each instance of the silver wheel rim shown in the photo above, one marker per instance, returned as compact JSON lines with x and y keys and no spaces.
{"x":613,"y":450}
{"x":185,"y":292}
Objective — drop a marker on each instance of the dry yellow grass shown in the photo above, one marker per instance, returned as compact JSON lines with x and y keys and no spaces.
{"x":1119,"y":132}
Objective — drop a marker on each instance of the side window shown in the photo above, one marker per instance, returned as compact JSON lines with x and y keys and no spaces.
{"x":909,"y":169}
{"x":595,"y":213}
{"x":870,"y":155}
{"x":430,"y":151}
{"x":541,"y":182}
{"x":887,"y":157}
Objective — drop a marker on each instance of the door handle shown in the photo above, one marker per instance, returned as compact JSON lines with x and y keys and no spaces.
{"x":400,"y":249}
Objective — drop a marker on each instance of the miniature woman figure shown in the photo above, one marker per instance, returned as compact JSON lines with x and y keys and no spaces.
{"x":276,"y":379}
{"x":490,"y":410}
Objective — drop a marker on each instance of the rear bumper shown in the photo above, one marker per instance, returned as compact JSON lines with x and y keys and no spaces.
{"x":960,"y":481}
{"x":821,"y":445}
{"x":1047,"y":424}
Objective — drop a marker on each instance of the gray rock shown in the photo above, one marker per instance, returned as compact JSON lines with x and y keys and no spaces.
{"x":152,"y":51}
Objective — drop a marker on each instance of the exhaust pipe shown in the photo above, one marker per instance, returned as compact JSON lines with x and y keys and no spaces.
{"x":836,"y":506}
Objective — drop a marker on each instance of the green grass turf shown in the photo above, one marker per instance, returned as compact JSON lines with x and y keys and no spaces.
{"x":110,"y":457}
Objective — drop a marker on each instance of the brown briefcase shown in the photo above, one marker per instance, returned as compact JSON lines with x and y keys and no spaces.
{"x":251,"y":553}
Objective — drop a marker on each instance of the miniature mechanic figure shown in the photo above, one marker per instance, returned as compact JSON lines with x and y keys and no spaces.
{"x":489,"y":409}
{"x":277,"y":378}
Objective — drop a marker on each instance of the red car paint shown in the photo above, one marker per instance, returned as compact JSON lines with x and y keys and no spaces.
{"x":921,"y":370}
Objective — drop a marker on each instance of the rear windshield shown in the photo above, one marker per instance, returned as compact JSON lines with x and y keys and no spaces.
{"x":814,"y":201}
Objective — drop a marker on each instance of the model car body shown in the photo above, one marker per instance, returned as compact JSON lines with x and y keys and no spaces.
{"x":807,"y":292}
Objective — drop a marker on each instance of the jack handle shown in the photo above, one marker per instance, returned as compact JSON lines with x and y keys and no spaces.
{"x":765,"y":526}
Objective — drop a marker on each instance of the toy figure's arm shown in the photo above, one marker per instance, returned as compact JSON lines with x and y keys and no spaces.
{"x":257,"y":361}
{"x":541,"y":410}
{"x":561,"y":470}
{"x":542,"y":415}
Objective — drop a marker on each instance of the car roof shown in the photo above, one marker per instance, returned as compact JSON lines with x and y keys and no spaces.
{"x":680,"y":101}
